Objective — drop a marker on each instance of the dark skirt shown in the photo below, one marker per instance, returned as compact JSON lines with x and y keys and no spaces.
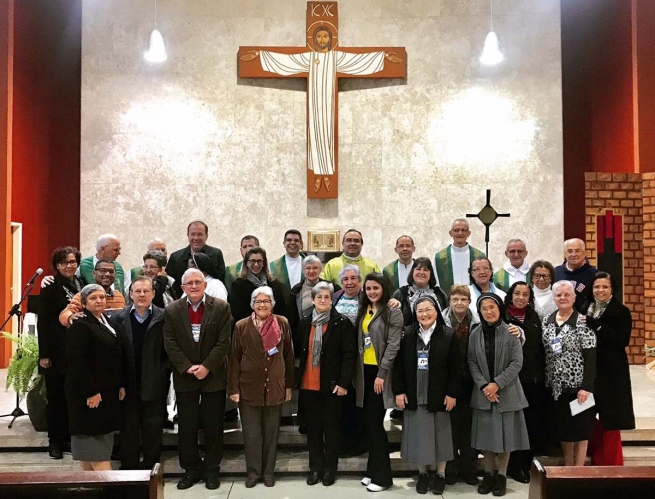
{"x":92,"y":448}
{"x":569,"y":428}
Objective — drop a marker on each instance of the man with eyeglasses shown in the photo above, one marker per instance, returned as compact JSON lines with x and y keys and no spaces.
{"x":452,"y":263}
{"x":197,"y":234}
{"x":105,"y":275}
{"x":352,"y":243}
{"x":197,"y":338}
{"x":516,"y":268}
{"x":288,"y":268}
{"x":576,"y":269}
{"x":154,"y":263}
{"x":232,"y":272}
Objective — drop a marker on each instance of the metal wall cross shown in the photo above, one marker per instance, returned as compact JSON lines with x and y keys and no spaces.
{"x":487,"y":216}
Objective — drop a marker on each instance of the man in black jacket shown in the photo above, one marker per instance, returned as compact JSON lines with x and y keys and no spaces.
{"x":576,"y":269}
{"x":142,"y":328}
{"x":197,"y":233}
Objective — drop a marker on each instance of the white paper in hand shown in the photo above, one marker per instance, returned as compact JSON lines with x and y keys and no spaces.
{"x":577,"y":407}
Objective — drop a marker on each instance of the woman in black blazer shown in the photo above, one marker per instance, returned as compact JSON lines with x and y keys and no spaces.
{"x":426,"y":382}
{"x":254,"y":274}
{"x":95,"y":384}
{"x":52,"y":344}
{"x":328,"y":349}
{"x":611,"y":321}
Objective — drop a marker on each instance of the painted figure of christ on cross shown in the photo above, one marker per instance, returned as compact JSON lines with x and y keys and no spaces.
{"x":322,"y":65}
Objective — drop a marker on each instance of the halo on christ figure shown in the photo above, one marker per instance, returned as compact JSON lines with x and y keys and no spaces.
{"x":322,"y":36}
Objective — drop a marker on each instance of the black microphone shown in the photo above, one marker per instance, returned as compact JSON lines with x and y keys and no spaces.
{"x":370,"y":312}
{"x":38,"y":272}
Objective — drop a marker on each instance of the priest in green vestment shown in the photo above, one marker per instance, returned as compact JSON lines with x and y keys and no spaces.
{"x":516,"y":268}
{"x":233,"y":271}
{"x":397,"y":271}
{"x":288,"y":268}
{"x":352,"y":244}
{"x":452,"y":263}
{"x":108,"y":247}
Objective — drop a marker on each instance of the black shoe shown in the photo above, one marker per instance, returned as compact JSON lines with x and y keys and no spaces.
{"x":188,"y":481}
{"x":520,"y":476}
{"x":396,"y":414}
{"x":302,"y":429}
{"x":251,"y":481}
{"x":423,"y":483}
{"x":469,"y":477}
{"x":500,"y":485}
{"x":54,"y":451}
{"x":231,"y":416}
{"x":66,"y":447}
{"x":487,"y":484}
{"x":168,"y":424}
{"x":269,"y":481}
{"x":451,"y":478}
{"x":212,"y":482}
{"x":313,"y":478}
{"x":438,"y":484}
{"x":328,"y":478}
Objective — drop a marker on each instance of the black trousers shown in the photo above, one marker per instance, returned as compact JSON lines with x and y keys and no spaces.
{"x":537,"y":424}
{"x":192,"y":407}
{"x":378,"y":468}
{"x":353,"y":426}
{"x":261,"y":426}
{"x":461,"y":418}
{"x":323,"y":412}
{"x":56,"y":409}
{"x":144,"y":418}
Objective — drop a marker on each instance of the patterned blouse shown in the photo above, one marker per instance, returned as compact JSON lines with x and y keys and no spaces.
{"x":575,"y":367}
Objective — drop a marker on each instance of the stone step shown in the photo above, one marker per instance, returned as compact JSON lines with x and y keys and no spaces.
{"x":289,"y":461}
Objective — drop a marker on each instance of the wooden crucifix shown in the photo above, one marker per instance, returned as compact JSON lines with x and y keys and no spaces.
{"x":487,"y":216}
{"x":322,"y":62}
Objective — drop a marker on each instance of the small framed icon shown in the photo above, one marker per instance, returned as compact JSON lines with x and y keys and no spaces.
{"x":323,"y":240}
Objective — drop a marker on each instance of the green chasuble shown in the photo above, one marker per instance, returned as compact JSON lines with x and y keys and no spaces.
{"x":135,"y":272}
{"x":443,"y":264}
{"x":391,"y":273}
{"x":331,"y":270}
{"x":278,"y":269}
{"x":86,"y":272}
{"x":231,"y":274}
{"x":501,"y":279}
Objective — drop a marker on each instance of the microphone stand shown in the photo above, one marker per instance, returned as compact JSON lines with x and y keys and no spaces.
{"x":15,"y":310}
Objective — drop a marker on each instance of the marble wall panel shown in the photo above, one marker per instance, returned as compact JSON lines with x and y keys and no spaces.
{"x":165,"y":144}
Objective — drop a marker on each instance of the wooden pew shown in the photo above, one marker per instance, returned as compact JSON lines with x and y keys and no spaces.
{"x":591,"y":482}
{"x":83,"y":484}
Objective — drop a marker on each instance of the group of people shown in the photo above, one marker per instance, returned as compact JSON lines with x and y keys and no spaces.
{"x":470,"y":360}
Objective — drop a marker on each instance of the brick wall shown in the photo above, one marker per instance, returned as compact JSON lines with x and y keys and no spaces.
{"x":622,"y":193}
{"x":649,"y":256}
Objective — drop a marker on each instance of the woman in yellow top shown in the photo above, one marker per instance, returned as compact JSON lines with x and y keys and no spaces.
{"x":379,"y":332}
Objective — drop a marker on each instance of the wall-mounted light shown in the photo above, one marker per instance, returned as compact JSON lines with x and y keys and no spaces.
{"x":491,"y":54}
{"x":156,"y":49}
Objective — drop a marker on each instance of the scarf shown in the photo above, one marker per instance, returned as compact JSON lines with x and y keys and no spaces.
{"x":269,"y":330}
{"x":319,"y":319}
{"x":518,"y":313}
{"x":414,"y":293}
{"x":259,"y":280}
{"x":597,"y":308}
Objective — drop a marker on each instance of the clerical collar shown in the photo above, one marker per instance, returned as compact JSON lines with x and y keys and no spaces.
{"x":351,"y":258}
{"x":196,"y":307}
{"x":408,"y":266}
{"x":457,"y":249}
{"x":512,"y":270}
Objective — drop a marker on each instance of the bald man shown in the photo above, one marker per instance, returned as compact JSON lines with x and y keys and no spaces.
{"x":108,"y":247}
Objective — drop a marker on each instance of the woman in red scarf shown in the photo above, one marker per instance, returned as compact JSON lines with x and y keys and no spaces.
{"x":260,"y":379}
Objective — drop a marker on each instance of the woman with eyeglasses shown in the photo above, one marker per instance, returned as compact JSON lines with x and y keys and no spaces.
{"x":154,"y":265}
{"x":379,"y":330}
{"x":254,"y":274}
{"x":542,"y":274}
{"x":260,"y":379}
{"x":570,"y":371}
{"x":53,"y":363}
{"x":481,"y":273}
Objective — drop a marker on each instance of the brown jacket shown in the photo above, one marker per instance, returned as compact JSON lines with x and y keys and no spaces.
{"x":211,"y":351}
{"x":257,"y":378}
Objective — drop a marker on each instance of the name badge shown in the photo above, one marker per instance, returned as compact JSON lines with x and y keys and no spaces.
{"x":272,"y":351}
{"x":195,"y":330}
{"x":367,"y":341}
{"x":422,"y":361}
{"x":556,"y":345}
